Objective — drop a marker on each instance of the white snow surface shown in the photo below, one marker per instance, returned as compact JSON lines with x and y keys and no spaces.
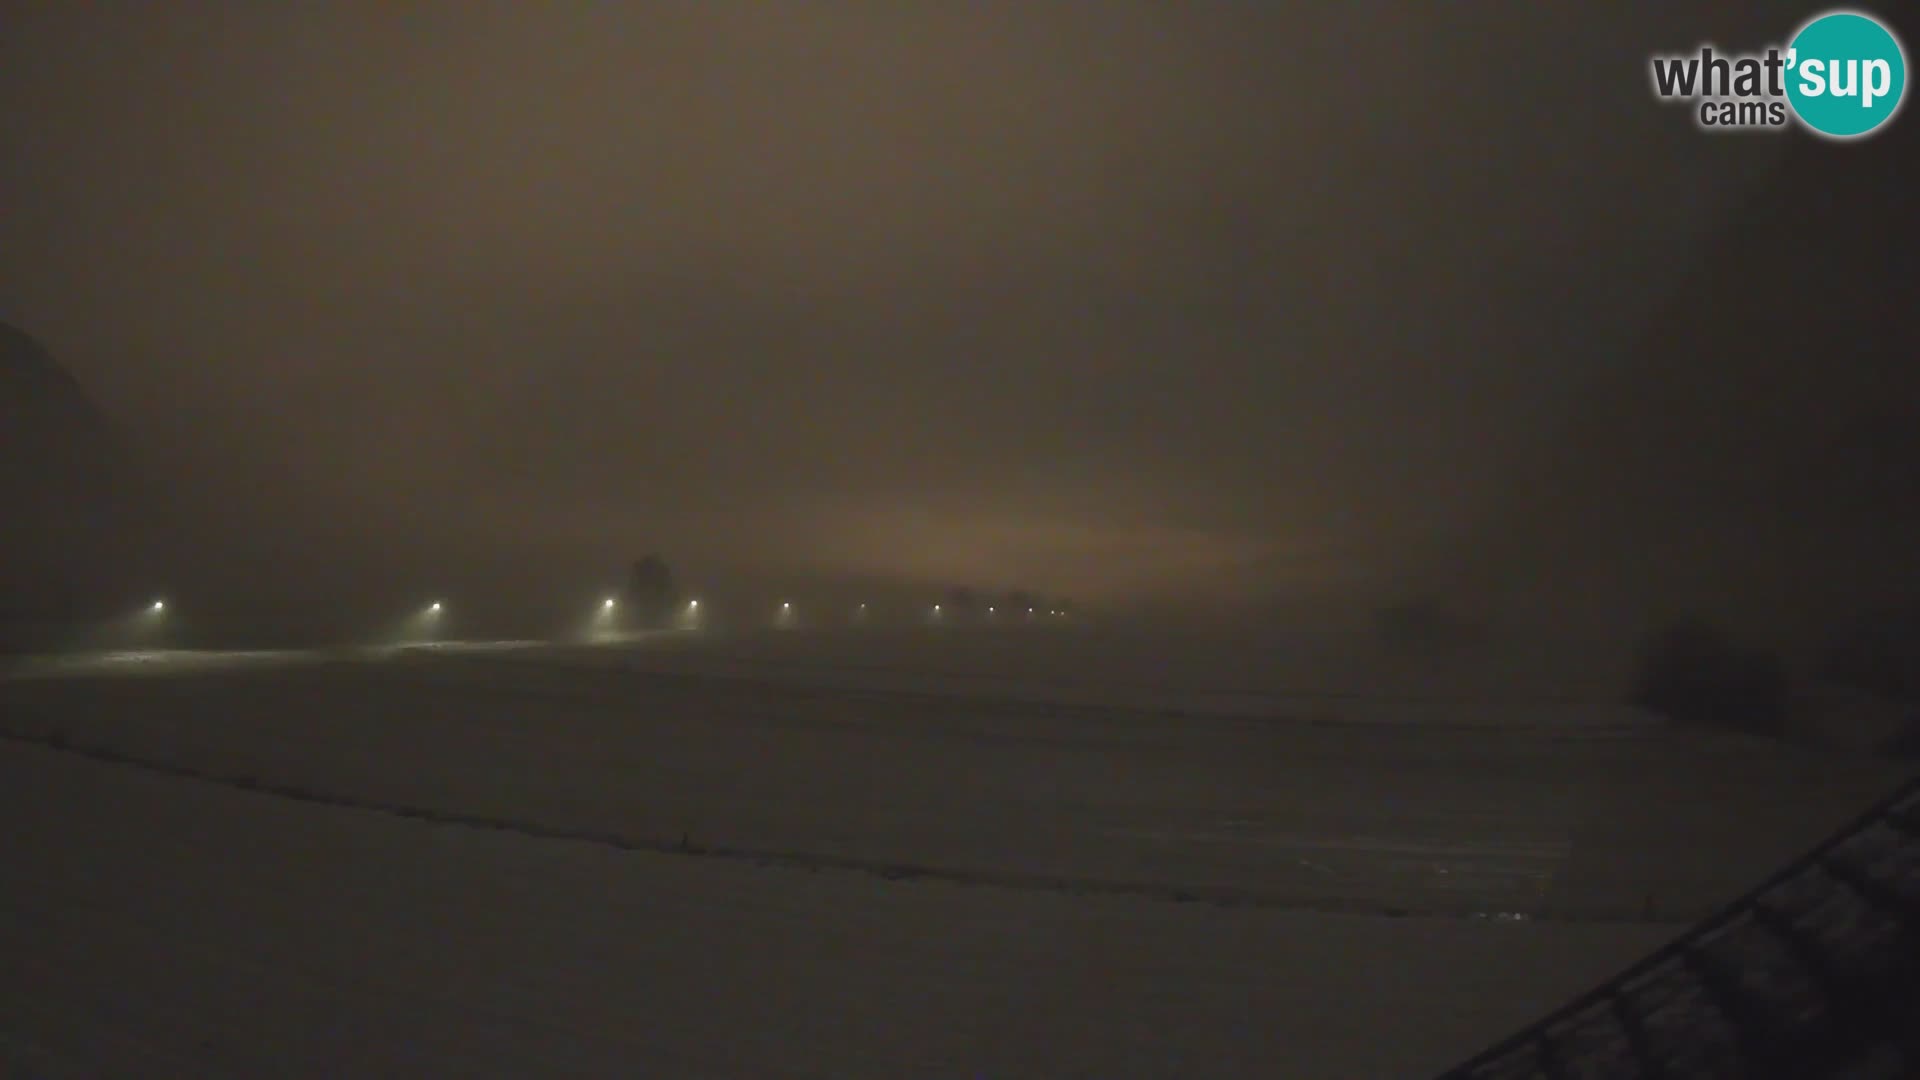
{"x":781,"y":856}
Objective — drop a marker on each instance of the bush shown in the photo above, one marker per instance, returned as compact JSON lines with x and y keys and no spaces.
{"x":1693,"y":674}
{"x":1879,"y":653}
{"x":1424,"y":625}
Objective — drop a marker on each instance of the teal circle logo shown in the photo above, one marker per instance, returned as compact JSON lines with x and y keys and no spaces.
{"x":1846,"y":74}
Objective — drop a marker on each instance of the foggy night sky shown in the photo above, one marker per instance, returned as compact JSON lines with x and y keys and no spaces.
{"x":1112,"y":300}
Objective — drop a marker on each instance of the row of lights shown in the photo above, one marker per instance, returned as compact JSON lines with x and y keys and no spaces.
{"x":435,"y":608}
{"x":990,"y":610}
{"x":610,"y":603}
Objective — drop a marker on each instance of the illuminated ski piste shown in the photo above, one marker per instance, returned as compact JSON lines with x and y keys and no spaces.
{"x":108,"y":662}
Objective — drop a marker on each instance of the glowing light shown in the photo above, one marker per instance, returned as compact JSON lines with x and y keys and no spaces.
{"x":433,"y":608}
{"x":786,"y":605}
{"x":936,"y":609}
{"x":989,"y":611}
{"x":158,"y":606}
{"x":693,"y":605}
{"x":607,"y":604}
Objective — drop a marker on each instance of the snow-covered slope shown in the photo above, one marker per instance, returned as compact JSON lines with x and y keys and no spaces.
{"x":527,"y":864}
{"x":1303,"y":810}
{"x":155,"y":926}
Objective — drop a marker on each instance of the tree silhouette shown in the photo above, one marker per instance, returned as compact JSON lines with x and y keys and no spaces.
{"x":1022,"y":601}
{"x":650,"y":594}
{"x":961,"y":602}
